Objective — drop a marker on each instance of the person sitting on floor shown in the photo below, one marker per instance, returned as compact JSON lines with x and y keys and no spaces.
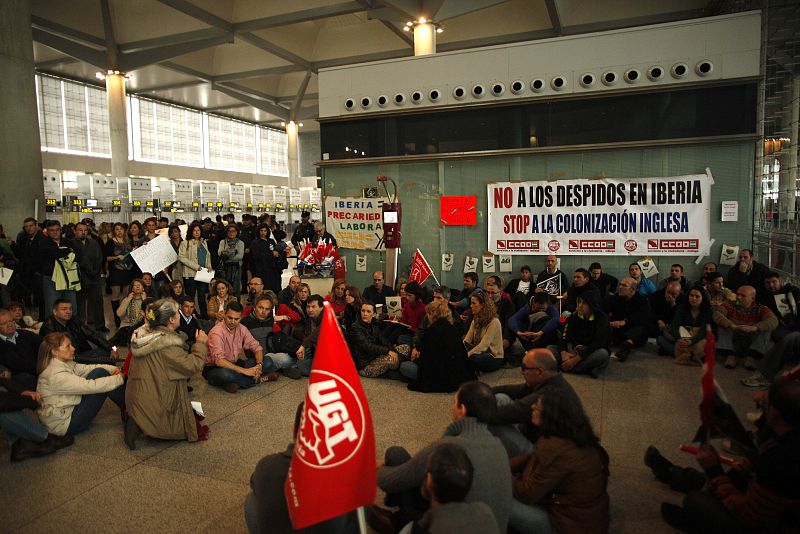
{"x":221,"y":295}
{"x":265,"y":509}
{"x":763,"y":497}
{"x":512,"y":421}
{"x":378,"y":291}
{"x":287,"y":294}
{"x":663,"y":304}
{"x":305,"y":354}
{"x":261,"y":324}
{"x":580,"y":285}
{"x":129,"y":312}
{"x":448,"y":479}
{"x":717,"y":292}
{"x":536,"y":325}
{"x":27,"y":437}
{"x":414,"y":309}
{"x":18,"y":351}
{"x":504,"y":308}
{"x":254,"y":288}
{"x":294,"y":319}
{"x":587,"y":335}
{"x":82,"y":336}
{"x":189,"y":324}
{"x":520,"y":289}
{"x":783,"y":299}
{"x":629,"y":313}
{"x":606,"y":283}
{"x":675,"y":275}
{"x":484,"y":340}
{"x":373,"y":353}
{"x":686,"y":336}
{"x":402,"y":474}
{"x":441,"y":363}
{"x":562,"y":485}
{"x":73,"y":393}
{"x":226,"y":365}
{"x":337,"y":297}
{"x":744,"y":328}
{"x":644,"y":286}
{"x":156,"y":394}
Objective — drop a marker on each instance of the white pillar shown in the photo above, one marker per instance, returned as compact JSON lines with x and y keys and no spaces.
{"x":424,"y":39}
{"x":293,"y":161}
{"x":117,"y":124}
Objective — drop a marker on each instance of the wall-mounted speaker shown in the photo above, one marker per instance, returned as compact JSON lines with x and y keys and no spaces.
{"x":434,"y":95}
{"x":416,"y":97}
{"x":399,"y":99}
{"x":366,"y":102}
{"x":537,"y":85}
{"x":558,"y":83}
{"x":587,"y":80}
{"x":498,"y":89}
{"x":459,"y":92}
{"x":517,"y":86}
{"x":478,"y":90}
{"x":383,"y":100}
{"x":349,"y":104}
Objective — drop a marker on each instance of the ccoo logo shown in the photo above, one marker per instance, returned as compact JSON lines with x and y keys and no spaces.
{"x":332,"y":426}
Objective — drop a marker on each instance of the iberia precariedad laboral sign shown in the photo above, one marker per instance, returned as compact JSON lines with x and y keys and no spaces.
{"x":356,"y":223}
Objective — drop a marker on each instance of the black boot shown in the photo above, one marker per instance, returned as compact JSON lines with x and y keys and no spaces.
{"x":114,"y":308}
{"x":661,"y":467}
{"x":132,"y":432}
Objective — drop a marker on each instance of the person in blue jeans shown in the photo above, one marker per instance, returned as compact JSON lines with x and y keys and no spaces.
{"x":484,"y":339}
{"x":26,"y":436}
{"x":73,"y":393}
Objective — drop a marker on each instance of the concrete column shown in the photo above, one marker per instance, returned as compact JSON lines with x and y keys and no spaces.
{"x":117,"y":124}
{"x":21,"y":182}
{"x":293,"y":161}
{"x":424,"y":39}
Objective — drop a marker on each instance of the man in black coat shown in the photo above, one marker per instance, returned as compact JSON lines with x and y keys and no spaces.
{"x":747,"y":272}
{"x":663,"y":304}
{"x":629,"y":315}
{"x":82,"y":336}
{"x":580,"y":284}
{"x":19,"y":350}
{"x":378,"y":291}
{"x":26,"y":248}
{"x":304,"y":231}
{"x":606,"y":283}
{"x":90,"y":296}
{"x":520,"y":289}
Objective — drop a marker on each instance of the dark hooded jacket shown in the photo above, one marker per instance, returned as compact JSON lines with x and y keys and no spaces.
{"x":590,"y":333}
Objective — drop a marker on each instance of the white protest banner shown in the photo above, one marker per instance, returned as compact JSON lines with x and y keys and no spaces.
{"x":155,"y":255}
{"x":356,"y":223}
{"x":654,"y":216}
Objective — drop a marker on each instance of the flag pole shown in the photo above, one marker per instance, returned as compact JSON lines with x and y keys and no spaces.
{"x":362,"y":520}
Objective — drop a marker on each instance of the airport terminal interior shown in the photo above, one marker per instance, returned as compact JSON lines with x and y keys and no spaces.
{"x":516,"y":173}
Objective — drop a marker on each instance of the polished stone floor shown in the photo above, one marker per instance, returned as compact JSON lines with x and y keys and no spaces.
{"x":98,"y":485}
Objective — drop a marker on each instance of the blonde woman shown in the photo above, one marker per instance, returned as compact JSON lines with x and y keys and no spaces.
{"x":484,"y":340}
{"x":73,"y":393}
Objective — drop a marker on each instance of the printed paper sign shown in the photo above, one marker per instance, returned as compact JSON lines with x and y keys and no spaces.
{"x":488,"y":263}
{"x":657,"y":216}
{"x":471,"y":264}
{"x":5,"y":275}
{"x":648,"y":266}
{"x":729,"y":255}
{"x":356,"y":223}
{"x":447,"y":262}
{"x":505,"y":263}
{"x":730,"y":210}
{"x":361,"y":263}
{"x":393,"y":307}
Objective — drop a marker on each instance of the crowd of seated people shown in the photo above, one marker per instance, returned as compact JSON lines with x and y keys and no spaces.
{"x":243,"y":329}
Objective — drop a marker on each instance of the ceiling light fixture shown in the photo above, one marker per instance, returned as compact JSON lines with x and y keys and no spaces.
{"x":410,"y":25}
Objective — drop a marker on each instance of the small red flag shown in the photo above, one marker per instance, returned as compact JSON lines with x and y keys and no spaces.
{"x":333,"y":466}
{"x":420,"y":270}
{"x":707,"y":383}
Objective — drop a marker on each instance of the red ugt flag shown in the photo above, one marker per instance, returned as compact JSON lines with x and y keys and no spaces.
{"x":420,"y":270}
{"x":333,"y":467}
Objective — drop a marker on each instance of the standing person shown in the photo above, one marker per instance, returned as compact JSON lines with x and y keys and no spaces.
{"x":194,"y":255}
{"x":90,"y":297}
{"x":484,"y":340}
{"x":321,"y":234}
{"x":120,"y":266}
{"x":303,"y":232}
{"x":58,"y":263}
{"x":156,"y":395}
{"x":73,"y":393}
{"x":175,"y":271}
{"x":568,"y":462}
{"x":231,"y":254}
{"x":264,"y":259}
{"x":136,"y":235}
{"x":150,"y":227}
{"x":26,"y":249}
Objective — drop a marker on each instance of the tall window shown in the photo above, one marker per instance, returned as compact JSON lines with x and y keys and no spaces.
{"x":231,"y":144}
{"x":166,"y":133}
{"x":274,"y":152}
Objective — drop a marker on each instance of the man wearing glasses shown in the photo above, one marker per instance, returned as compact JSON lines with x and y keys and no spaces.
{"x":378,"y":291}
{"x":512,"y":423}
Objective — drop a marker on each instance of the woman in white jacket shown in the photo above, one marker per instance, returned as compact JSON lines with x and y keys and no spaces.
{"x":73,"y":393}
{"x":193,"y":255}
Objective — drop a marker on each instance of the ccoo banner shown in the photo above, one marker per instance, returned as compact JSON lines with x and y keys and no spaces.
{"x":656,"y":216}
{"x":356,"y":223}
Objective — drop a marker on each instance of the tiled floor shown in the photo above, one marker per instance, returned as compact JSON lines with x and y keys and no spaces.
{"x":98,"y":485}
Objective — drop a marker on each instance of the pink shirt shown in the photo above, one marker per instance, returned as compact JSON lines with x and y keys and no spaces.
{"x":226,"y":345}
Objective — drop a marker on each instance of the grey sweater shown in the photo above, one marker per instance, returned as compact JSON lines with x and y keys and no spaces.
{"x":461,"y":517}
{"x":491,"y":483}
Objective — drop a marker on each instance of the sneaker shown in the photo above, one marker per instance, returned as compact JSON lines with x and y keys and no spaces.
{"x":293,"y":373}
{"x":750,"y":363}
{"x":231,"y":387}
{"x":756,"y":381}
{"x":730,"y":362}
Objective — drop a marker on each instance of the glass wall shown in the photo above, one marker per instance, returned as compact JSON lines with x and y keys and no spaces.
{"x":73,"y":118}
